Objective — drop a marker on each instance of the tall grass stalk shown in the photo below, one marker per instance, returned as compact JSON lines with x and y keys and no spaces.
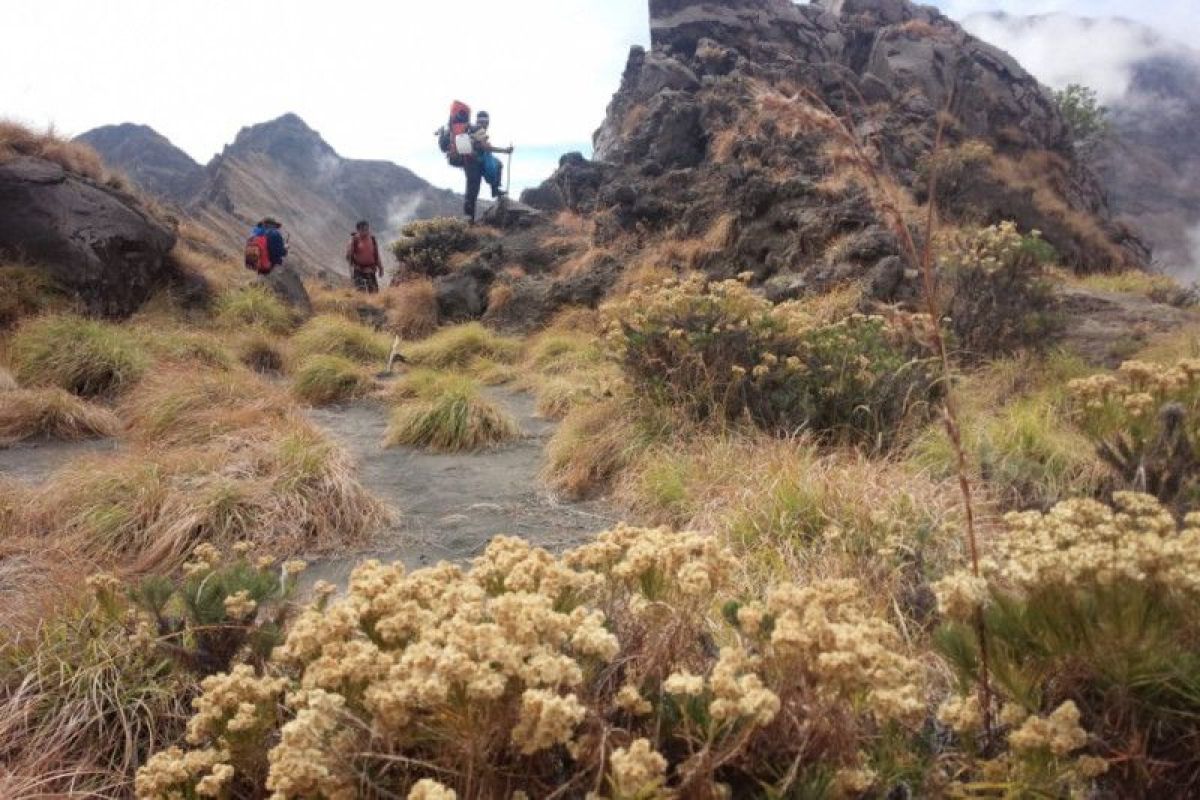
{"x":921,"y":257}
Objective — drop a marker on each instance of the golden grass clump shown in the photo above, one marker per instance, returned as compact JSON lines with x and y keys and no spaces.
{"x":332,"y":335}
{"x":7,"y":382}
{"x":322,"y":380}
{"x":282,"y":486}
{"x":412,"y":308}
{"x":184,"y":407}
{"x":254,"y":307}
{"x":450,"y":415}
{"x":459,"y":345}
{"x":52,"y":414}
{"x":83,"y":356}
{"x":82,"y":707}
{"x":174,"y":345}
{"x":596,"y":442}
{"x":17,"y":140}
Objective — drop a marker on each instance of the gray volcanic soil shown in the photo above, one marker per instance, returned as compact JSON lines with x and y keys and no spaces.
{"x":34,"y":461}
{"x":448,"y":506}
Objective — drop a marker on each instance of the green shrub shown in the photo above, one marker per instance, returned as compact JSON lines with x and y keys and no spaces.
{"x":83,"y":356}
{"x":254,"y":307}
{"x":457,"y":418}
{"x":24,"y":292}
{"x":1091,"y":608}
{"x":999,"y":298}
{"x":719,"y":351}
{"x":330,"y":335}
{"x":425,"y":247}
{"x":460,"y":345}
{"x":324,"y":380}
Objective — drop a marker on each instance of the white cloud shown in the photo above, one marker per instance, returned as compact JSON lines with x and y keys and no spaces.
{"x":374,"y":77}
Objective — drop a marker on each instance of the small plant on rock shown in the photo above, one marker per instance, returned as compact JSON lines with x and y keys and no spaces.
{"x":425,"y":247}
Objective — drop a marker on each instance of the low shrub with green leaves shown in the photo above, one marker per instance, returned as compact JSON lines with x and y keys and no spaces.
{"x":1093,"y":650}
{"x":999,"y":297}
{"x":323,"y":380}
{"x":84,"y":356}
{"x":425,"y":247}
{"x":719,"y":351}
{"x":254,"y":307}
{"x":456,"y":417}
{"x":331,"y":335}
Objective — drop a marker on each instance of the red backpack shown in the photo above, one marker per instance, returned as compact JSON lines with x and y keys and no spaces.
{"x":461,"y":147}
{"x":258,"y":256}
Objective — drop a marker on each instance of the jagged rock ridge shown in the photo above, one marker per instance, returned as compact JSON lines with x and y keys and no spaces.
{"x":715,"y":135}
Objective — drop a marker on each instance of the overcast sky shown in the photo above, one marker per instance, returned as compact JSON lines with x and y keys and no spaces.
{"x":374,"y":77}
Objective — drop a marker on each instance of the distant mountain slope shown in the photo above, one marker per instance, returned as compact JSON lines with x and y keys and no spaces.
{"x":283,"y":168}
{"x":1152,"y":87}
{"x":149,"y":159}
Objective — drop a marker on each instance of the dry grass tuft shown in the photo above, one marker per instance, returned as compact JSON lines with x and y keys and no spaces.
{"x":185,"y":407}
{"x":324,"y":380}
{"x":331,"y":335}
{"x":596,"y":443}
{"x":7,"y":382}
{"x":83,"y":356}
{"x":17,"y":140}
{"x":53,"y":414}
{"x":254,"y":307}
{"x":412,"y":309}
{"x":24,"y":292}
{"x":448,"y":416}
{"x":459,"y":345}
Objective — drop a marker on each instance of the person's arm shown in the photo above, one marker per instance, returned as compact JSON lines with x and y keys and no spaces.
{"x":378,"y":260}
{"x":350,"y":252}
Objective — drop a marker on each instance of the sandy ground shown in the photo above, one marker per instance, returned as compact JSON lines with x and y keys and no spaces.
{"x":449,"y":506}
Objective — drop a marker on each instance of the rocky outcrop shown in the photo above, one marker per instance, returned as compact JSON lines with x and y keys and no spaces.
{"x":148,"y":158}
{"x":726,"y":133}
{"x":100,"y":244}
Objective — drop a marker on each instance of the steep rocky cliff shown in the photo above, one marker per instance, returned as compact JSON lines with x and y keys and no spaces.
{"x":720,"y":132}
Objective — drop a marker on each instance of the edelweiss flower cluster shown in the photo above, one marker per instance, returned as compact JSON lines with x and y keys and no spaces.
{"x":1083,"y":542}
{"x":1060,"y":733}
{"x":637,"y":769}
{"x":1137,"y":390}
{"x":826,"y":631}
{"x":514,"y":651}
{"x":174,"y":773}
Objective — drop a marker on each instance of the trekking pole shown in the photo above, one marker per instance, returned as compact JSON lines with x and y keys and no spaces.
{"x":508,"y":172}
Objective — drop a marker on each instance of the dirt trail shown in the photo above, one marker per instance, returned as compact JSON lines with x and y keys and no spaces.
{"x":450,"y":506}
{"x":34,"y":461}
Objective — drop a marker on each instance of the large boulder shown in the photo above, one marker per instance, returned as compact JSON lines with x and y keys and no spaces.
{"x":100,"y":244}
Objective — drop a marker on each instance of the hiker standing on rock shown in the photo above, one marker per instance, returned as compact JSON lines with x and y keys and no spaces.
{"x":467,"y":146}
{"x":490,"y":167}
{"x":363,"y":256}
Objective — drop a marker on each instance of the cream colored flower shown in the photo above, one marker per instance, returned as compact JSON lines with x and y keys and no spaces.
{"x":637,"y":768}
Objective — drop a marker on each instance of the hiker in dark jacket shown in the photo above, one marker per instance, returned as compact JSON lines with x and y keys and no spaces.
{"x":276,"y":246}
{"x":484,"y":165}
{"x":363,"y":256}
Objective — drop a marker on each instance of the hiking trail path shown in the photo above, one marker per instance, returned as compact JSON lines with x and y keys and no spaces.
{"x":448,"y":506}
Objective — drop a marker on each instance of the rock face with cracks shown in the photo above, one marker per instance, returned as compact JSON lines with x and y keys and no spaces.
{"x":96,"y":242}
{"x":724,"y":125}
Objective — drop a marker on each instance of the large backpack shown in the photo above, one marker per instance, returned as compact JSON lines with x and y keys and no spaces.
{"x":455,"y":139}
{"x":258,"y":255}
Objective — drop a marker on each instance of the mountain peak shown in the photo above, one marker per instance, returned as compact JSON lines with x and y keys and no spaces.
{"x":287,"y":139}
{"x":149,"y":159}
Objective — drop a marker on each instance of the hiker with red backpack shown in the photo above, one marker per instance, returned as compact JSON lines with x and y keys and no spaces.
{"x":467,"y":146}
{"x":363,"y":256}
{"x":266,"y":248}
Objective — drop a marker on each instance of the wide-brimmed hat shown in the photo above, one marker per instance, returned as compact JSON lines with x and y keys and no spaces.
{"x":272,"y":222}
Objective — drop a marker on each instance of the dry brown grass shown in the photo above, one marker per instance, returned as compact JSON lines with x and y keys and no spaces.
{"x":1037,"y":172}
{"x":499,"y":296}
{"x":18,"y":140}
{"x":412,"y":309}
{"x":53,"y":414}
{"x":184,"y":407}
{"x":7,"y":382}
